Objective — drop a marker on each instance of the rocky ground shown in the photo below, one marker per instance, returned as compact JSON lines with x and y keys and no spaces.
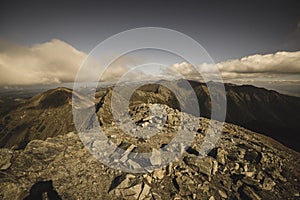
{"x":242,"y":165}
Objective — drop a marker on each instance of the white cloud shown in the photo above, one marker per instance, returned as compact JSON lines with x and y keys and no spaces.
{"x":50,"y":62}
{"x":281,"y":65}
{"x":280,"y":62}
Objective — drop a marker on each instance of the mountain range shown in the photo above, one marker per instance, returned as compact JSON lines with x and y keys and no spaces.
{"x":50,"y":113}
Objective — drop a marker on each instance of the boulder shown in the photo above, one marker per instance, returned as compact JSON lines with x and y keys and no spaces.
{"x":5,"y":157}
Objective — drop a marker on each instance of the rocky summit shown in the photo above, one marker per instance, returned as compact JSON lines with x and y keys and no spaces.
{"x":241,"y":165}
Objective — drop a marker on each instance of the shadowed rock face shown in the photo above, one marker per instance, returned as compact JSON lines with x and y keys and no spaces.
{"x":242,"y":165}
{"x":55,"y":98}
{"x":42,"y":188}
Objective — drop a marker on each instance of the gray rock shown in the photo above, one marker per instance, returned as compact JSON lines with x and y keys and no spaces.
{"x":211,"y":198}
{"x":126,"y":186}
{"x":145,"y":192}
{"x":221,"y":156}
{"x":204,"y":165}
{"x":252,"y":155}
{"x":268,"y":184}
{"x":222,"y":194}
{"x":250,"y":193}
{"x":159,"y":173}
{"x":155,"y":158}
{"x":5,"y":157}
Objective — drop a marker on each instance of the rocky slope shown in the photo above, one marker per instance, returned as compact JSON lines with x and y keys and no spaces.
{"x":42,"y":116}
{"x":242,"y":165}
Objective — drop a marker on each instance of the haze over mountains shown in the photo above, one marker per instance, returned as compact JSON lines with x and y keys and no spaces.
{"x":32,"y":65}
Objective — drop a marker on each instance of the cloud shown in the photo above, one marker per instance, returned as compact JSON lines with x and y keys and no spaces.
{"x":280,"y":62}
{"x":50,"y":62}
{"x":269,"y":66}
{"x":57,"y":62}
{"x":120,"y":67}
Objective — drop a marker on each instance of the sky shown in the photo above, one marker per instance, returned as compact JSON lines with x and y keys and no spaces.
{"x":227,"y":29}
{"x":251,"y":41}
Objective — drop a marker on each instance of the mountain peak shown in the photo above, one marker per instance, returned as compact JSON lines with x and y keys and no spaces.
{"x":53,"y":98}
